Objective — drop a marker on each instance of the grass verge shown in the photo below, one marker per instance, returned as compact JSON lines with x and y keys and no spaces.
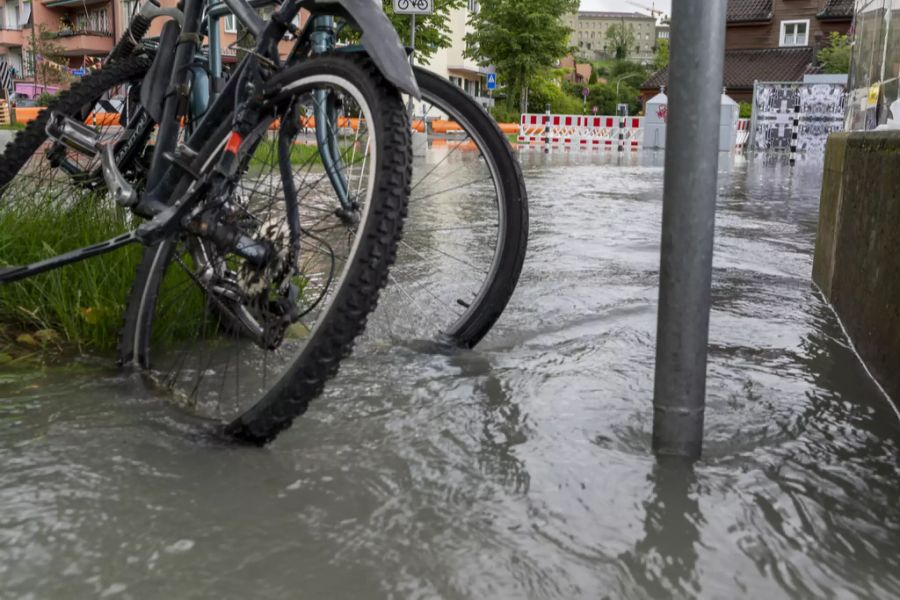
{"x":79,"y":306}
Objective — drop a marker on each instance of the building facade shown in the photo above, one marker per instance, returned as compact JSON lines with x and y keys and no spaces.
{"x":74,"y":32}
{"x":771,"y":40}
{"x":83,"y":31}
{"x":454,"y":65}
{"x":589,"y":34}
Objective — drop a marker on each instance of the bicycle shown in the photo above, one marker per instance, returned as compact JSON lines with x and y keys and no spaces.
{"x":479,"y":303}
{"x":251,"y":269}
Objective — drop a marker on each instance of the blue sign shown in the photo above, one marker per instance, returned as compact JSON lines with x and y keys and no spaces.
{"x":79,"y":72}
{"x":492,"y":81}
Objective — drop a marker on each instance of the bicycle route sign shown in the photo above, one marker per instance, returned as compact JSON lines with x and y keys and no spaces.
{"x":413,"y":7}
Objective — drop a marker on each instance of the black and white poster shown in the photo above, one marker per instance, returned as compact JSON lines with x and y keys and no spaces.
{"x":775,"y":115}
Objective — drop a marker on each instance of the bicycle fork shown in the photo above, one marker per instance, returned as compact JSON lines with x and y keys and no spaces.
{"x":326,"y":116}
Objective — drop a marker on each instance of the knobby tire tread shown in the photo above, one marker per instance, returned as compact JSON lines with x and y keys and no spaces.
{"x":29,"y":140}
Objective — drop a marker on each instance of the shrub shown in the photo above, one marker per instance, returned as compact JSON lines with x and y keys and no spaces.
{"x":45,"y":99}
{"x":504,"y":114}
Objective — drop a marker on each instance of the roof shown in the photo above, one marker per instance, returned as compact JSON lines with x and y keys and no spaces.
{"x":749,"y":11}
{"x":588,"y":14}
{"x":743,"y":67}
{"x":837,"y":10}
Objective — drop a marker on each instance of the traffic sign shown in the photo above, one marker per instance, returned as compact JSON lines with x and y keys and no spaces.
{"x":492,"y":81}
{"x":585,"y":92}
{"x":413,"y":7}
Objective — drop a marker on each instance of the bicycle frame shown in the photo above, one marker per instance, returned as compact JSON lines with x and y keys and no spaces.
{"x":176,"y":191}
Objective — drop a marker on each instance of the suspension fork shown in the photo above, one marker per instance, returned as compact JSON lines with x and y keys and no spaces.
{"x":326,"y":114}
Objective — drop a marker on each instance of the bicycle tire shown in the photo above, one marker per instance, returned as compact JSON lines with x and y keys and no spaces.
{"x":489,"y":208}
{"x":357,"y":293}
{"x":69,"y":102}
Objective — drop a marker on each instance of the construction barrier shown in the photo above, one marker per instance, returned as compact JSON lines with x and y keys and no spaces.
{"x":593,"y":132}
{"x":5,"y":117}
{"x":28,"y":113}
{"x":743,"y":133}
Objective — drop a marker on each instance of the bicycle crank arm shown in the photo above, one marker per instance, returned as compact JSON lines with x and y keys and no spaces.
{"x":15,"y":273}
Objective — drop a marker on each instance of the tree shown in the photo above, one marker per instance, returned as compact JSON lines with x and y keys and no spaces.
{"x":835,"y":58}
{"x":662,"y":55}
{"x":522,"y":39}
{"x":47,"y":59}
{"x":431,"y":30}
{"x":621,"y":39}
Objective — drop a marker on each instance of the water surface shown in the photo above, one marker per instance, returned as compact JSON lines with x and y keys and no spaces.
{"x":519,"y":470}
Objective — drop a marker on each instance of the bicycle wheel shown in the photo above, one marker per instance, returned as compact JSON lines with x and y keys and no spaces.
{"x":252,"y":346}
{"x":466,"y":234}
{"x":53,"y":200}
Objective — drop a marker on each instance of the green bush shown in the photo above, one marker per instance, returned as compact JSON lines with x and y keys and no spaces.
{"x":746,"y":110}
{"x":835,"y":58}
{"x":620,"y":68}
{"x":45,"y":99}
{"x":504,"y":114}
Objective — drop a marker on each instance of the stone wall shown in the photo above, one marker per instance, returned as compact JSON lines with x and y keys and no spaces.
{"x":857,"y":261}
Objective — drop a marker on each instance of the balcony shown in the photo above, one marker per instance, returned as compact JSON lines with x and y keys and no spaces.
{"x":83,"y":43}
{"x":11,"y":37}
{"x":72,"y":3}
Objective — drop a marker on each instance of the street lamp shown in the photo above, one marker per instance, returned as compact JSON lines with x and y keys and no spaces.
{"x":620,"y":80}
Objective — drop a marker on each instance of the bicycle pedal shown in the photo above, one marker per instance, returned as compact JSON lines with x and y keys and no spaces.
{"x":73,"y":134}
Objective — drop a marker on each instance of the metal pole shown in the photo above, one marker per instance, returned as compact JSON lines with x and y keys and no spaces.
{"x":689,"y":205}
{"x":412,"y":41}
{"x":411,"y":108}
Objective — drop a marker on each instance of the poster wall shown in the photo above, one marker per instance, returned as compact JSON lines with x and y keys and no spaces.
{"x":822,"y":108}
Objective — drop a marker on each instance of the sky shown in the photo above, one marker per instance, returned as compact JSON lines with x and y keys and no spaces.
{"x":624,"y":6}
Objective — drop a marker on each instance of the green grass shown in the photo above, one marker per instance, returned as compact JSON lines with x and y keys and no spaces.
{"x":266,"y":155}
{"x":13,"y":127}
{"x":78,"y":306}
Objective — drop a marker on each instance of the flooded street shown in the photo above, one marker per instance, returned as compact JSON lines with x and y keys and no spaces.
{"x":519,"y":470}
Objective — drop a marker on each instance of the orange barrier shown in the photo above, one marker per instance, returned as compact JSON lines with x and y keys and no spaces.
{"x":438,"y":126}
{"x":28,"y":114}
{"x":442,"y":127}
{"x":103,"y":119}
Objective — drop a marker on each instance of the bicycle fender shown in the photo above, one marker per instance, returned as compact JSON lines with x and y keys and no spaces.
{"x":379,"y":38}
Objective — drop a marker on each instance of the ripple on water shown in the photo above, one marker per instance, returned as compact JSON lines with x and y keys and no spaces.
{"x":517,"y":470}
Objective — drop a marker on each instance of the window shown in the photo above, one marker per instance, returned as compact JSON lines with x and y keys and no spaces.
{"x":11,"y":16}
{"x":230,"y":24}
{"x":28,"y":63}
{"x":95,"y":21}
{"x":25,"y":15}
{"x":794,"y":33}
{"x":129,"y":9}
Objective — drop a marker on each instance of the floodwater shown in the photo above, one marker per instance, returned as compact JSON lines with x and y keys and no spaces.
{"x":518,"y":470}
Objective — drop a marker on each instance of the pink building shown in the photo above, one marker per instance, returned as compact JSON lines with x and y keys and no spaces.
{"x":81,"y":30}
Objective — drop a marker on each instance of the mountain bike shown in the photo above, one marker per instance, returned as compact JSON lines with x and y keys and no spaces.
{"x":271,"y":262}
{"x":472,"y":180}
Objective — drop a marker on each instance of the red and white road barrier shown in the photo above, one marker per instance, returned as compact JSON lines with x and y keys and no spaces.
{"x":579,"y":131}
{"x":743,"y":133}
